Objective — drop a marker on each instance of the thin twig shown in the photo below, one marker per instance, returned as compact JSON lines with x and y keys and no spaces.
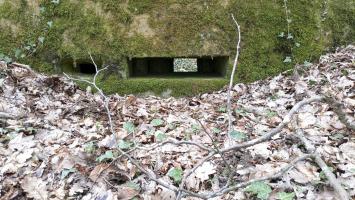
{"x":177,"y":143}
{"x":330,"y":175}
{"x":338,"y":109}
{"x":274,"y":131}
{"x":276,"y":175}
{"x":229,"y":103}
{"x":216,"y":148}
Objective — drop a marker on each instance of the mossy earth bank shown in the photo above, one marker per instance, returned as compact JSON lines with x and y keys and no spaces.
{"x":50,"y":34}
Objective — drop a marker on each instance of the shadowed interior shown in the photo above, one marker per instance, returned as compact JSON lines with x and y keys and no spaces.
{"x":86,"y":68}
{"x":164,"y":67}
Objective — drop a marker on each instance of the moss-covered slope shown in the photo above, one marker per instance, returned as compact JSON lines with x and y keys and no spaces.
{"x":47,"y":33}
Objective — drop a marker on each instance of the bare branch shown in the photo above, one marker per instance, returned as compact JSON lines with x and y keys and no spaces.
{"x":177,"y":143}
{"x":330,"y":176}
{"x":274,"y":131}
{"x":276,"y":175}
{"x":4,"y":115}
{"x":229,"y":103}
{"x":337,"y":108}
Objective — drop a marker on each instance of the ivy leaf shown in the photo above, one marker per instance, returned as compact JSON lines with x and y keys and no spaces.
{"x":18,"y":53}
{"x":107,"y":156}
{"x":89,"y":147}
{"x":133,"y":185}
{"x":56,"y":1}
{"x":270,"y":113}
{"x":289,"y":21}
{"x":286,"y":196}
{"x":150,"y":132}
{"x":290,"y":36}
{"x":176,"y":174}
{"x":281,"y":35}
{"x":129,"y":127}
{"x":260,"y":189}
{"x":157,"y":122}
{"x":287,"y":59}
{"x":42,"y":9}
{"x":50,"y":24}
{"x":298,"y":44}
{"x":196,"y":128}
{"x":41,"y":39}
{"x":124,"y":145}
{"x":307,"y":64}
{"x":66,"y":172}
{"x":216,"y":130}
{"x":160,"y":136}
{"x":7,"y":59}
{"x":237,"y":135}
{"x":222,"y":109}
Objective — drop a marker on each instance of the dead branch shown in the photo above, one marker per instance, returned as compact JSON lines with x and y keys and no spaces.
{"x":338,"y":109}
{"x":276,"y":175}
{"x":261,"y":139}
{"x":4,"y":115}
{"x":343,"y":195}
{"x":229,"y":103}
{"x":28,"y":68}
{"x":274,"y":131}
{"x":216,"y":149}
{"x":176,"y":143}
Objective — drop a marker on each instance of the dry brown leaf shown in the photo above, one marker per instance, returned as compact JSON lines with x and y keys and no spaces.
{"x":35,"y":188}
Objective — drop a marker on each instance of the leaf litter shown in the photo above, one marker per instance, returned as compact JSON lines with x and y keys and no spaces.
{"x":55,"y":141}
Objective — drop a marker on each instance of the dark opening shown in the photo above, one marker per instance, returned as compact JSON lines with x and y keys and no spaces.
{"x":87,"y":68}
{"x":163,"y":66}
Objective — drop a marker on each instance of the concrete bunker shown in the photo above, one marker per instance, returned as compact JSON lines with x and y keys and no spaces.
{"x":82,"y":66}
{"x":206,"y":66}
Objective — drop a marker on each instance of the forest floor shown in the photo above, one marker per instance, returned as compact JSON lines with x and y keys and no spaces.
{"x":56,"y":142}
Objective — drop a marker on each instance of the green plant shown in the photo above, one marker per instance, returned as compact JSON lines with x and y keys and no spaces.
{"x":157,"y":122}
{"x":124,"y":145}
{"x":222,"y":109}
{"x":176,"y":174}
{"x":216,"y":130}
{"x":286,"y":196}
{"x":160,"y":136}
{"x":66,"y":172}
{"x":196,"y":128}
{"x":90,"y":147}
{"x":237,"y":135}
{"x":129,"y":127}
{"x":108,"y":155}
{"x":260,"y":189}
{"x":288,"y":38}
{"x":5,"y":58}
{"x":270,"y":113}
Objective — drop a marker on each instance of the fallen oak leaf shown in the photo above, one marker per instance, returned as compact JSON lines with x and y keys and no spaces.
{"x":35,"y":188}
{"x":204,"y":171}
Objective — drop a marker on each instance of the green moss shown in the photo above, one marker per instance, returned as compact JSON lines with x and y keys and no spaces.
{"x":178,"y":87}
{"x":108,"y":29}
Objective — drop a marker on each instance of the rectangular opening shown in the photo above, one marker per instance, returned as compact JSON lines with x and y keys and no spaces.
{"x":180,"y":66}
{"x":185,"y":65}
